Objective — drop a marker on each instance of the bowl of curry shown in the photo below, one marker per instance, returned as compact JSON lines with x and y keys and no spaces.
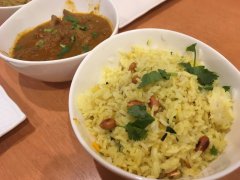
{"x":50,"y":46}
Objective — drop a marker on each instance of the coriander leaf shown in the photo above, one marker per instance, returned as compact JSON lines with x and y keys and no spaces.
{"x":47,"y":30}
{"x":70,"y":19}
{"x":164,"y":137}
{"x":136,"y":130}
{"x":95,"y":35}
{"x":192,"y":48}
{"x":143,"y":123}
{"x":79,"y":27}
{"x":137,"y":111}
{"x":135,"y":133}
{"x":226,"y":88}
{"x":83,"y":27}
{"x":143,"y":119}
{"x":40,"y":43}
{"x":187,"y":67}
{"x":154,"y":76}
{"x":204,"y":76}
{"x":214,"y":151}
{"x":206,"y":87}
{"x":73,"y":38}
{"x":64,"y":49}
{"x":170,"y":130}
{"x":85,"y":48}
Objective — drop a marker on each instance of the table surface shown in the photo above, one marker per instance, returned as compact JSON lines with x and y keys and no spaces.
{"x":45,"y":147}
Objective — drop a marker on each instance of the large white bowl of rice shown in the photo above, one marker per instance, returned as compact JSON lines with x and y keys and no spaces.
{"x":156,"y":104}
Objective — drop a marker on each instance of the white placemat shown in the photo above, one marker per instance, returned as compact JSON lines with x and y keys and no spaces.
{"x":129,"y":10}
{"x":10,"y":113}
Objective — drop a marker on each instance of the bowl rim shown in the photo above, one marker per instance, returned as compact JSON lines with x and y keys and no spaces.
{"x":63,"y":60}
{"x":11,"y":7}
{"x":94,"y":154}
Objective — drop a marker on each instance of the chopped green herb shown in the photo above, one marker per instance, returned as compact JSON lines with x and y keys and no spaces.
{"x":79,"y":27}
{"x":136,"y":130}
{"x":62,"y":45}
{"x":75,"y":23}
{"x":206,"y":87}
{"x":204,"y":76}
{"x":48,"y":30}
{"x":95,"y":35}
{"x":40,"y":43}
{"x":73,"y":39}
{"x":85,"y":48}
{"x":170,"y":130}
{"x":64,"y":49}
{"x":140,"y":113}
{"x":135,"y":133}
{"x":192,"y":48}
{"x":226,"y":88}
{"x":164,"y":137}
{"x":214,"y":151}
{"x":83,"y":27}
{"x":153,"y":77}
{"x":137,"y":111}
{"x":70,"y":19}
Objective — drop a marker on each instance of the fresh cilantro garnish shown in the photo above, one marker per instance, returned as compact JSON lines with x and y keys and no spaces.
{"x":164,"y":137}
{"x":79,"y":27}
{"x":135,"y":133}
{"x":206,"y":87}
{"x":204,"y":76}
{"x":40,"y":43}
{"x":154,"y":76}
{"x":71,"y":19}
{"x":137,"y":111}
{"x":226,"y":88}
{"x":85,"y":48}
{"x":95,"y":35}
{"x":143,"y":119}
{"x":64,"y":49}
{"x":136,"y":130}
{"x":75,"y":23}
{"x":170,"y":130}
{"x":73,"y":38}
{"x":83,"y":27}
{"x":47,"y":30}
{"x":192,"y":48}
{"x":214,"y":151}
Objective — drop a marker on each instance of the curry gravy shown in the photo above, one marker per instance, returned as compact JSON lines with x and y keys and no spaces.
{"x":74,"y":34}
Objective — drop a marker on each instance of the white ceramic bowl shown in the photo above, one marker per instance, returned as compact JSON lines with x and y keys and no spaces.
{"x":106,"y":55}
{"x":37,"y":12}
{"x":6,"y":12}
